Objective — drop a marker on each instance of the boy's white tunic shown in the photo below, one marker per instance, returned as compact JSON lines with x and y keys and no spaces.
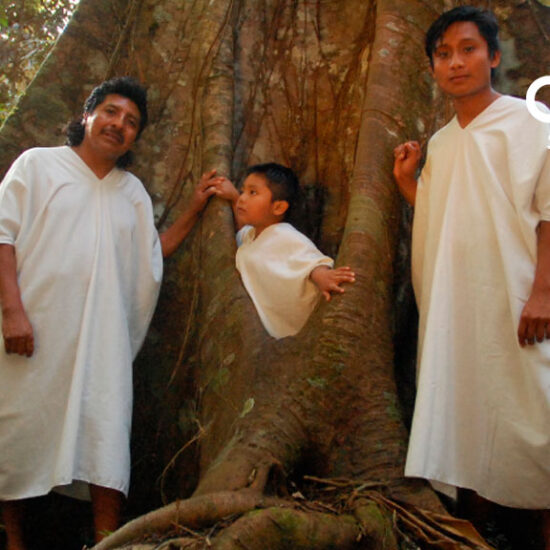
{"x":275,"y":269}
{"x":89,"y":267}
{"x":482,"y":416}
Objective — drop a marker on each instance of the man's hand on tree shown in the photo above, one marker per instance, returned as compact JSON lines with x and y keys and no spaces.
{"x":203,"y":191}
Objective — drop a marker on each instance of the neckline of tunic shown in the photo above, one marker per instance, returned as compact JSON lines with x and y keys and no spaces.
{"x":274,"y":225}
{"x":480,"y":116}
{"x":91,"y":173}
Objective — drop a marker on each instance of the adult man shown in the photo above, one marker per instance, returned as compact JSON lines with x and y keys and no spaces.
{"x":481,"y":274}
{"x":80,"y":269}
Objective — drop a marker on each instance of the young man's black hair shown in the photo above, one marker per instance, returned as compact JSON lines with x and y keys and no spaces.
{"x":282,"y":183}
{"x":483,"y":19}
{"x":124,"y":86}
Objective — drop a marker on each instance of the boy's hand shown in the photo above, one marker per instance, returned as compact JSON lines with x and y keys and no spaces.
{"x":406,"y":160}
{"x":225,"y":189}
{"x":329,"y":280}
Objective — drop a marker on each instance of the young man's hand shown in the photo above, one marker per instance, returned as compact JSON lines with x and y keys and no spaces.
{"x":534,"y":324}
{"x":406,"y":161}
{"x":17,"y":332}
{"x":329,"y":280}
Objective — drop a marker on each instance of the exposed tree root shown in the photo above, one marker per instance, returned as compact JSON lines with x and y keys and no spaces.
{"x":283,"y":528}
{"x":430,"y":529}
{"x":180,"y":543}
{"x":376,"y":527}
{"x":193,"y":513}
{"x":362,"y":518}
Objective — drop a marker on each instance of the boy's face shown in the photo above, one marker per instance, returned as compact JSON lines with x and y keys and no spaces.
{"x":256,"y":206}
{"x":461,"y":62}
{"x":112,"y":127}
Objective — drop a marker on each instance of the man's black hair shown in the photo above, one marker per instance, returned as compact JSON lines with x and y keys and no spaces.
{"x":125,"y":86}
{"x":282,"y":183}
{"x":484,"y":20}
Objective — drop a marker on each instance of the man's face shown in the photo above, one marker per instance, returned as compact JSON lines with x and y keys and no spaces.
{"x":461,"y":62}
{"x":112,"y":127}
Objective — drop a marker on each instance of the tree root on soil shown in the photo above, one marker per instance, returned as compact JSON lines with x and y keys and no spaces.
{"x":248,"y":519}
{"x":194,"y":513}
{"x":283,"y":528}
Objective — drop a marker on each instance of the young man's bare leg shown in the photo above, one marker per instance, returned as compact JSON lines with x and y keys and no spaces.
{"x":106,"y":507}
{"x":12,"y":513}
{"x":546,"y":528}
{"x":478,"y":510}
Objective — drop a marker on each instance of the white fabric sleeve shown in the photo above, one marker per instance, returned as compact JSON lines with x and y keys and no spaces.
{"x":13,"y":193}
{"x":241,"y":233}
{"x":542,"y":191}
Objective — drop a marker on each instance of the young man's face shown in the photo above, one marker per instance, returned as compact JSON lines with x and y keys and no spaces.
{"x":461,"y":61}
{"x":256,"y":206}
{"x":112,"y":127}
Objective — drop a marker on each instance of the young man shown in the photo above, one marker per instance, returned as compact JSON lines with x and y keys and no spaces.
{"x":481,"y":275}
{"x":80,"y":269}
{"x":282,"y":270}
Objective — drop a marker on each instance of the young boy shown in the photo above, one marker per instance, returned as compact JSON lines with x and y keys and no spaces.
{"x":481,"y":275}
{"x":281,"y":269}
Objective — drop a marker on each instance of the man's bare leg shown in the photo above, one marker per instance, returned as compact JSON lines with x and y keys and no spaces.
{"x":13,"y":512}
{"x":106,"y":506}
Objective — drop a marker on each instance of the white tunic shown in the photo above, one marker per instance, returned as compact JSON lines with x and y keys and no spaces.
{"x":89,"y":266}
{"x":482,"y":415}
{"x":275,"y":269}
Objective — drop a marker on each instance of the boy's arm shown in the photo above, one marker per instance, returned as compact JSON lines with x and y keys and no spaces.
{"x":16,"y":327}
{"x":534,"y":324}
{"x":406,"y":160}
{"x":226,"y":190}
{"x":174,"y":235}
{"x":329,"y":280}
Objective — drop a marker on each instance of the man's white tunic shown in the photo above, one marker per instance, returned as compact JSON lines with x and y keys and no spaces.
{"x":482,"y":416}
{"x":275,"y":269}
{"x":89,"y":266}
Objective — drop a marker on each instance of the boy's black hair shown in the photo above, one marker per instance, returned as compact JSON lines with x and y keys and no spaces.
{"x":282,"y":183}
{"x":125,"y":86}
{"x":485,"y":21}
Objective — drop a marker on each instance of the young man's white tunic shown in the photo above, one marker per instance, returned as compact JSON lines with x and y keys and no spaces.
{"x":275,"y":269}
{"x":482,"y":415}
{"x":89,"y":266}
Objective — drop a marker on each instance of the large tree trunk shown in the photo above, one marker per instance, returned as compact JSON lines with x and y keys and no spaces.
{"x":225,"y":416}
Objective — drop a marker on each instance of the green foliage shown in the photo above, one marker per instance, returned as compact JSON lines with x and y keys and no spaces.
{"x":28,"y":29}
